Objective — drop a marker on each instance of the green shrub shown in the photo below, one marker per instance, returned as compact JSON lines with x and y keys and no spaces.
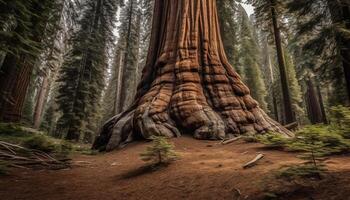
{"x":64,"y":148}
{"x":40,"y":142}
{"x":327,"y":140}
{"x":273,"y":140}
{"x":161,"y":152}
{"x":314,"y":143}
{"x":11,"y":129}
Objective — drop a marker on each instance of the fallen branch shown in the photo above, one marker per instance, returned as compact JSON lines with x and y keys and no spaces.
{"x":254,"y":161}
{"x":22,"y":157}
{"x":224,"y":142}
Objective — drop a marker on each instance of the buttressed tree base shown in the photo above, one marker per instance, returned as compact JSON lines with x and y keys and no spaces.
{"x":187,"y":85}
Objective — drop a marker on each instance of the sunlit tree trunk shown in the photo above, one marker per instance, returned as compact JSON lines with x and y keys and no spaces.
{"x":187,"y":85}
{"x":40,"y":102}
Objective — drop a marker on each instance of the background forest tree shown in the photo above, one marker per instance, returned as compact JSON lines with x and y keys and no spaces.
{"x":67,"y":66}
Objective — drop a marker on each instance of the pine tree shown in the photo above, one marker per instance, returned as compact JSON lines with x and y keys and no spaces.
{"x":161,"y":152}
{"x":228,"y":13}
{"x":68,"y":25}
{"x":249,"y":59}
{"x":83,"y":71}
{"x":128,"y":48}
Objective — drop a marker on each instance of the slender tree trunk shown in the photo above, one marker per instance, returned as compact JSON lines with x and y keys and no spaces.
{"x":187,"y":84}
{"x":287,"y":104}
{"x":117,"y":107}
{"x":40,"y":102}
{"x":272,"y":82}
{"x":313,"y":104}
{"x":323,"y":110}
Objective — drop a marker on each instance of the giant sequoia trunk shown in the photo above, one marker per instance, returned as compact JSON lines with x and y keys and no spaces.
{"x":187,"y":85}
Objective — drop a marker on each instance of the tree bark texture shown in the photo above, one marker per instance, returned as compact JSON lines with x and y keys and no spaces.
{"x":187,"y":85}
{"x":14,"y":84}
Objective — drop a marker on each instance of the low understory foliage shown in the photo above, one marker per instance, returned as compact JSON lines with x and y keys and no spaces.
{"x":33,"y":139}
{"x":315,"y":143}
{"x":160,"y":153}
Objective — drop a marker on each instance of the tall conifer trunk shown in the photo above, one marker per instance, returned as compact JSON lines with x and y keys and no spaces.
{"x":313,"y":104}
{"x":40,"y":102}
{"x":187,"y":85}
{"x":287,"y":103}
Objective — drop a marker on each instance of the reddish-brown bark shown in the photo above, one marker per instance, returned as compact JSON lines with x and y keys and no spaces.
{"x":187,"y":85}
{"x":14,"y":87}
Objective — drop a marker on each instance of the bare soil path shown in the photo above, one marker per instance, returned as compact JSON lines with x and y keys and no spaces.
{"x":206,"y":170}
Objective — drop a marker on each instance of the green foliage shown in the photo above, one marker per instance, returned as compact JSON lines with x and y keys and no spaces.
{"x":314,"y":143}
{"x":82,"y":75}
{"x":39,"y":142}
{"x":32,"y":139}
{"x":340,"y":119}
{"x":249,"y":58}
{"x":11,"y":129}
{"x":319,"y":140}
{"x":227,"y":11}
{"x":273,"y":140}
{"x":161,"y":152}
{"x":320,"y":42}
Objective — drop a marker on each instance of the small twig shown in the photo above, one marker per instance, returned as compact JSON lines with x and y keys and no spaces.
{"x":254,"y":161}
{"x":8,"y":148}
{"x":224,"y":142}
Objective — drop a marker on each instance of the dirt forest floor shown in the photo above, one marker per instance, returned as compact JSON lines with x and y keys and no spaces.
{"x":206,"y":170}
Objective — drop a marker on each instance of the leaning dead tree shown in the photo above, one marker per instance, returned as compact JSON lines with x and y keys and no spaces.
{"x":187,"y":85}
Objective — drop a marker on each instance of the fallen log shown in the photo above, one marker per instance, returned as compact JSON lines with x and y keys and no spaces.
{"x":254,"y":161}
